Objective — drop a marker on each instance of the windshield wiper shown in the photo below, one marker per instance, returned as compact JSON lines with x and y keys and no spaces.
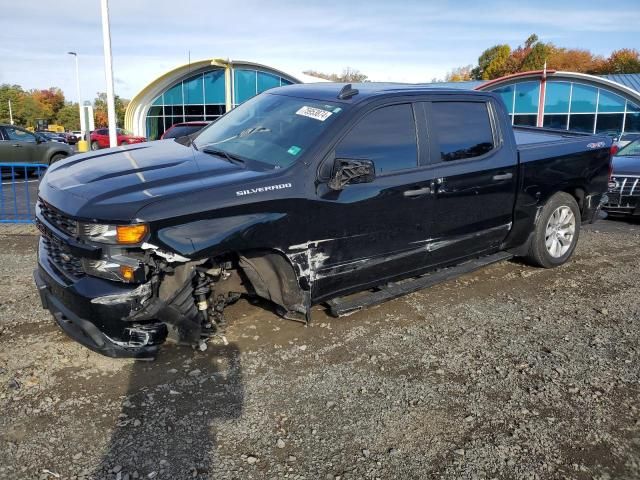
{"x":221,"y":153}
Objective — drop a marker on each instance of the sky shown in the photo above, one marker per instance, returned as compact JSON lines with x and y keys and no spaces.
{"x":403,"y":41}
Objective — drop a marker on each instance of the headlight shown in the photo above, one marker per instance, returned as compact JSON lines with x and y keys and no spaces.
{"x":118,"y":268}
{"x":115,"y":234}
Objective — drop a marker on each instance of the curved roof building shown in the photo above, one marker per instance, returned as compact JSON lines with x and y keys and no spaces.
{"x":580,"y":102}
{"x":202,"y":90}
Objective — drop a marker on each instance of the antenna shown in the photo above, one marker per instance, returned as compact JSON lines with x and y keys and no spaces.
{"x":347,"y":92}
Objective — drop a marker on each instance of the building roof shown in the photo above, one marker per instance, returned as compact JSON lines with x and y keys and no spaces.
{"x":631,"y":80}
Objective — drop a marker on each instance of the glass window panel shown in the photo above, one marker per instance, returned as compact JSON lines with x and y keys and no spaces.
{"x":175,"y":110}
{"x":267,"y":81}
{"x":173,"y":96}
{"x":155,"y":127}
{"x":581,"y":123}
{"x":387,"y":136}
{"x":215,"y":110}
{"x":583,"y":99}
{"x":214,"y":87}
{"x":154,"y":111}
{"x":556,"y":121}
{"x":610,"y":123}
{"x":632,"y":107}
{"x":193,"y":90}
{"x":556,"y":98}
{"x":194,"y":110}
{"x":451,"y":118}
{"x":632,"y":123}
{"x":525,"y":120}
{"x":245,"y":84}
{"x":157,"y":101}
{"x":284,"y":82}
{"x":506,"y":93}
{"x":610,"y":102}
{"x":527,"y":94}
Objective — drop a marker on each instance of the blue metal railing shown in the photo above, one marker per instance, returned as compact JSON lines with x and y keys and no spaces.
{"x":19,"y":191}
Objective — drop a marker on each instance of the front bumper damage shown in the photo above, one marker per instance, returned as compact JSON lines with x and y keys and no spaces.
{"x":96,"y":313}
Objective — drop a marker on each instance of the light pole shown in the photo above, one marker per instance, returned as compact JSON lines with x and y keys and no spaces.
{"x":83,"y":127}
{"x":108,"y":71}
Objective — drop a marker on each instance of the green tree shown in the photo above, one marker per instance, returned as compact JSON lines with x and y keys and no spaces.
{"x":100,"y":110}
{"x":492,"y":63}
{"x":69,"y":116}
{"x":626,"y":60}
{"x":536,"y":57}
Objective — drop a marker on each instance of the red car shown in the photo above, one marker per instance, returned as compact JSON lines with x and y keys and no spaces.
{"x":183,"y":129}
{"x":100,"y":138}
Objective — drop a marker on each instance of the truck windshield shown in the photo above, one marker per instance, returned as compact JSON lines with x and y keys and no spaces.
{"x":271,"y":129}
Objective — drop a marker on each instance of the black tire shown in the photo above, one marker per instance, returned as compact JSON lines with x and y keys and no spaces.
{"x":547,"y":236}
{"x":95,"y":146}
{"x":57,"y":157}
{"x":124,"y":142}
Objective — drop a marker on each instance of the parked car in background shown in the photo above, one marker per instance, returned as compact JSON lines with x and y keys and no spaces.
{"x":71,"y":137}
{"x":53,"y":136}
{"x":624,"y":187}
{"x":18,"y":145}
{"x":183,"y":129}
{"x":100,"y":138}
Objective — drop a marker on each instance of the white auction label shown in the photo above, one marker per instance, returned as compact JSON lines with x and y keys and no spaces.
{"x":315,"y":113}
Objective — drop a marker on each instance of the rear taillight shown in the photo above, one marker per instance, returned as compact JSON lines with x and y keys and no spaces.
{"x":614,"y":149}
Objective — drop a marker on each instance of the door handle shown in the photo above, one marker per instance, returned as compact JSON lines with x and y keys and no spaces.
{"x":503,"y":176}
{"x":417,"y":192}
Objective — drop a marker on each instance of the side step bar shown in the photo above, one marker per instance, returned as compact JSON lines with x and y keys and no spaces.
{"x":341,"y":306}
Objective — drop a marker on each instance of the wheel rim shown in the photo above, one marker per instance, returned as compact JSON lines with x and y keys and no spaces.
{"x":561,"y":229}
{"x":94,"y":146}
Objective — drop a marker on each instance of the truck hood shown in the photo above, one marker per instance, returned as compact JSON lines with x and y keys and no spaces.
{"x":115,"y":183}
{"x":626,"y":165}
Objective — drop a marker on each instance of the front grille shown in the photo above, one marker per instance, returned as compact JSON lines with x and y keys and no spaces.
{"x":58,"y":219}
{"x":62,"y":258}
{"x":625,"y":194}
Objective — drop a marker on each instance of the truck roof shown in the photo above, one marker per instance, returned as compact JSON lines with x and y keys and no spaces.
{"x":331,"y":91}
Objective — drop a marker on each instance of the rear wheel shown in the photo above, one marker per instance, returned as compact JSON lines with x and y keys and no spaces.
{"x":556,"y":233}
{"x":124,"y":142}
{"x":57,"y":157}
{"x":95,"y":146}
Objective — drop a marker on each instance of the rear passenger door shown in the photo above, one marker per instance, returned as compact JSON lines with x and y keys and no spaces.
{"x":476,"y":178}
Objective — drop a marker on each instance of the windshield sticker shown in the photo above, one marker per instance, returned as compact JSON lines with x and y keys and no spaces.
{"x":337,"y":110}
{"x":294,"y":150}
{"x":315,"y":113}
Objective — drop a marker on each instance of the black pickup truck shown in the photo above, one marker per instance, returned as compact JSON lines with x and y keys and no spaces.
{"x":305,"y":194}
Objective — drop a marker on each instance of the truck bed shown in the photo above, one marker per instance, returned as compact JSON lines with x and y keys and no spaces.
{"x":536,"y":143}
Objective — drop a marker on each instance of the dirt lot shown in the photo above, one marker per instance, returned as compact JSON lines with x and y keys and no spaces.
{"x":510,"y":372}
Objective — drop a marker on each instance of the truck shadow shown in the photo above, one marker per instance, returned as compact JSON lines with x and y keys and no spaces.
{"x":171,"y":412}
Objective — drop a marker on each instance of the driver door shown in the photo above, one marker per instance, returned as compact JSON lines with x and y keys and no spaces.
{"x":368,"y":233}
{"x":18,"y":145}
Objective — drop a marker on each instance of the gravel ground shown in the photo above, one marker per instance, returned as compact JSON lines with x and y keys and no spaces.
{"x":509,"y":372}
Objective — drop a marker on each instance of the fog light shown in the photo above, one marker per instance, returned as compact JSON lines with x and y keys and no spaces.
{"x":127,"y":273}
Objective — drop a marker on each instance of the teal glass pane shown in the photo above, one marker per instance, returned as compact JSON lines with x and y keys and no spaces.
{"x":556,"y":98}
{"x":173,"y":96}
{"x":506,"y":93}
{"x":267,"y":81}
{"x":284,"y":82}
{"x":193,"y":92}
{"x":632,"y":107}
{"x":157,"y":101}
{"x":610,"y":102}
{"x":214,"y":87}
{"x":632,"y":123}
{"x":583,"y":99}
{"x":527,"y":94}
{"x":245,"y":84}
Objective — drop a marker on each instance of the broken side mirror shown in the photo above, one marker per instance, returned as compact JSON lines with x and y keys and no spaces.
{"x":346,"y":170}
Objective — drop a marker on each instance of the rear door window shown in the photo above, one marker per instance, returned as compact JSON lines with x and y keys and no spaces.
{"x":463,"y":129}
{"x":386,"y":136}
{"x":18,"y":135}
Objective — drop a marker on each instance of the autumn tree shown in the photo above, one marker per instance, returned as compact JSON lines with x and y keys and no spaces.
{"x":101,"y":117}
{"x":69,"y":116}
{"x":626,"y":60}
{"x":492,"y":63}
{"x":460,"y":74}
{"x":348,"y":75}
